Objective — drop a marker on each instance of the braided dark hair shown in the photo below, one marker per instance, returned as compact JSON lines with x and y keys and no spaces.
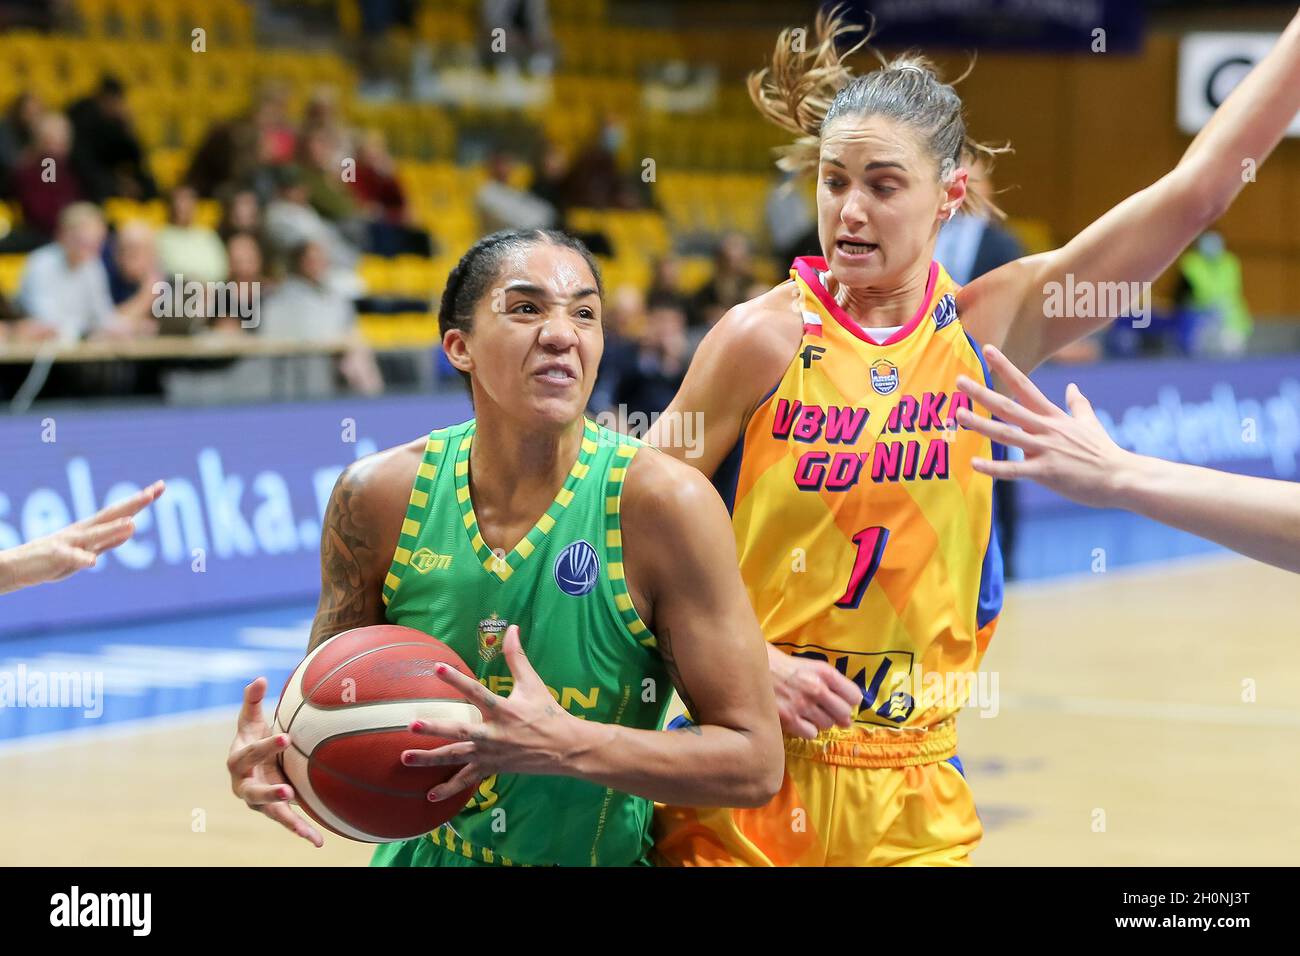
{"x":478,"y":269}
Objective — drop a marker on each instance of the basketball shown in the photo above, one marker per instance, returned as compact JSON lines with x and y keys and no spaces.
{"x":347,"y":708}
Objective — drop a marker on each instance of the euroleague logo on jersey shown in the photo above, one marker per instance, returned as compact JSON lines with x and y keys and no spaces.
{"x":884,"y":376}
{"x":576,"y":569}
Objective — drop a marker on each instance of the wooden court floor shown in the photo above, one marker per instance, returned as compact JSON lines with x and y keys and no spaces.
{"x":1146,"y":717}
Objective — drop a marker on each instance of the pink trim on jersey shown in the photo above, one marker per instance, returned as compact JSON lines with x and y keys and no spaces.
{"x":808,"y":268}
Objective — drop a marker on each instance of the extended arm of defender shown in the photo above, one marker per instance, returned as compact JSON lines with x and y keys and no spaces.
{"x":1073,"y":455}
{"x":1138,"y":239}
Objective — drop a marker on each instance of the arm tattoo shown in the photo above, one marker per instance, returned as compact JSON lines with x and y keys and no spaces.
{"x":347,"y":548}
{"x":663,"y":639}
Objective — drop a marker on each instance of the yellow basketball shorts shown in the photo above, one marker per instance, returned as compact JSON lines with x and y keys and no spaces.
{"x":849,"y":798}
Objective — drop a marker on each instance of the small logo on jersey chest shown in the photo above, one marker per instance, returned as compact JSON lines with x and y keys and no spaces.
{"x":884,"y":376}
{"x":810,"y":354}
{"x":425,"y":561}
{"x":491,"y":635}
{"x":945,"y":310}
{"x":576,"y":569}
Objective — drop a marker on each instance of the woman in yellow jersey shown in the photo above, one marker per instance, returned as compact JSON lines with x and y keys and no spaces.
{"x":829,"y":410}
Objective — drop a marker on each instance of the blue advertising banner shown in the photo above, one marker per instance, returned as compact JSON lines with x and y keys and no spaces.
{"x":239,"y":525}
{"x":1234,"y":415}
{"x":240,"y":521}
{"x":1071,"y":26}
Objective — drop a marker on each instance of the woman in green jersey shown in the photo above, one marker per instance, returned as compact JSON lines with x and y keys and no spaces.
{"x":576,"y":571}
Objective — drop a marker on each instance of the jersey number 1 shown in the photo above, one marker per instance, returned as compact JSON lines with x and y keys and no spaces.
{"x":871,"y":547}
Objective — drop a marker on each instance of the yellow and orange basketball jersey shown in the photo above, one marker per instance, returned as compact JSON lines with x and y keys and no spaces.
{"x":865,"y":538}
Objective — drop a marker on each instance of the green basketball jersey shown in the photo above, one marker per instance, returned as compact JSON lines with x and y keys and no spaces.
{"x":563,"y":585}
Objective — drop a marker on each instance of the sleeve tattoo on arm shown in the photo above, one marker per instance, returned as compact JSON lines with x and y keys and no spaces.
{"x":347,"y":548}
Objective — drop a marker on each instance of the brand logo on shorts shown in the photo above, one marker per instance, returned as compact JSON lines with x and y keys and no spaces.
{"x":884,"y":376}
{"x":576,"y":569}
{"x":491,"y":635}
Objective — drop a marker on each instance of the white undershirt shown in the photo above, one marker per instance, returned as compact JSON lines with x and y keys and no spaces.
{"x":880,"y":335}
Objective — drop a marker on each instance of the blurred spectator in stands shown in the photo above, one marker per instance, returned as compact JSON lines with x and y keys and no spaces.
{"x":16,"y":327}
{"x":666,"y":280}
{"x":105,"y":149}
{"x":623,"y":322}
{"x":321,"y":160}
{"x":17,"y":129}
{"x":594,"y":180}
{"x":502,"y":206}
{"x":652,"y":381}
{"x":290,"y":221}
{"x":322,"y":113}
{"x":968,"y":246}
{"x":225,"y":158}
{"x":240,"y":212}
{"x":380,"y":71}
{"x":551,"y":179}
{"x":45,"y":181}
{"x":64,"y":285}
{"x":376,"y":186}
{"x":1210,"y":292}
{"x":187,"y":249}
{"x":517,"y":34}
{"x":277,"y":135}
{"x":305,"y":309}
{"x":244,"y":252}
{"x":791,"y":226}
{"x":733,"y":275}
{"x":133,"y":268}
{"x":377,"y":190}
{"x":239,"y":153}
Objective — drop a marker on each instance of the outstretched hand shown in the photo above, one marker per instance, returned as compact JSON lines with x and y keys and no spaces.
{"x":74,"y":548}
{"x":1069,"y":453}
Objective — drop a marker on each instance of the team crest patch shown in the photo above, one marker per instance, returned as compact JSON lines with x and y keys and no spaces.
{"x":944,"y":311}
{"x":491,"y":635}
{"x":576,"y":569}
{"x":884,"y":377}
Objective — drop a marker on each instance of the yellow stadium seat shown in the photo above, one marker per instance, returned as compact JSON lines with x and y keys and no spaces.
{"x":11,"y":270}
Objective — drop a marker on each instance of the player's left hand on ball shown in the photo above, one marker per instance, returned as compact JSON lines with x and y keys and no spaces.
{"x":527,"y":732}
{"x":1068,"y":453}
{"x":253,"y":763}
